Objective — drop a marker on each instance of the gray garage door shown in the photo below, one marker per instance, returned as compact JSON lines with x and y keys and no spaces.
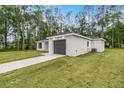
{"x":60,"y":47}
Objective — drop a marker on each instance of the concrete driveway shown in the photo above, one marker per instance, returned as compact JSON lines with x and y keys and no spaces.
{"x":26,"y":62}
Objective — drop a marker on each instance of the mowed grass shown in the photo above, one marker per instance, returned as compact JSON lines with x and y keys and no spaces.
{"x":7,"y":56}
{"x":91,"y":70}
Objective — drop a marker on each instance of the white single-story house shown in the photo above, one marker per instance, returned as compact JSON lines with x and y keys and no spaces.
{"x":71,"y":44}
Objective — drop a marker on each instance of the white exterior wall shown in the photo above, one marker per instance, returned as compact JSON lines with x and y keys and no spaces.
{"x":76,"y":46}
{"x":44,"y":46}
{"x":99,"y":45}
{"x":39,"y":49}
{"x":50,"y":46}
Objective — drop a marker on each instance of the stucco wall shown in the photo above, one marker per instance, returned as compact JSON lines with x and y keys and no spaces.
{"x":39,"y":49}
{"x":50,"y":46}
{"x":98,"y":44}
{"x":44,"y":46}
{"x":76,"y":46}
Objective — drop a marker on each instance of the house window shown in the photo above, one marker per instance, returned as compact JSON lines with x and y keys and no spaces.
{"x":40,"y":45}
{"x":87,"y":43}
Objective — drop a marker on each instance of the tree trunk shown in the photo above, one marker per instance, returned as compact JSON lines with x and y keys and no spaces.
{"x":23,"y":47}
{"x":22,"y":41}
{"x":18,"y":43}
{"x":119,"y":44}
{"x":6,"y":30}
{"x":18,"y":36}
{"x":102,"y":33}
{"x":30,"y":44}
{"x":5,"y":40}
{"x":112,"y":38}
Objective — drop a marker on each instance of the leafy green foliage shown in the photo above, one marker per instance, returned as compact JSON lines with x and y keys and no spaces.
{"x":21,"y":26}
{"x":116,"y":32}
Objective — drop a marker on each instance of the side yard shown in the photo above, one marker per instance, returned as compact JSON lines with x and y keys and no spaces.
{"x":7,"y":56}
{"x":91,"y":70}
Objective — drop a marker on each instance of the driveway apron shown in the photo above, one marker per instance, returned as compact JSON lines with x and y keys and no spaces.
{"x":26,"y":62}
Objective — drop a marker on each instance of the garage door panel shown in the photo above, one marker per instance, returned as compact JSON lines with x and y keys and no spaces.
{"x":60,"y":47}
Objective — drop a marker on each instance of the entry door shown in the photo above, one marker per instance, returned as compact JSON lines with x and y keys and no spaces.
{"x":60,"y":47}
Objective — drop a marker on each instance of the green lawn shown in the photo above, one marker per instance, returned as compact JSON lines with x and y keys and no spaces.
{"x":7,"y":56}
{"x":91,"y":70}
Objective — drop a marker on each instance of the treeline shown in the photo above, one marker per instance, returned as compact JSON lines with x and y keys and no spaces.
{"x":21,"y":26}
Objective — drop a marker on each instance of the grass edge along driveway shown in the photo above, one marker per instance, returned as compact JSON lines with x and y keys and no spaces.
{"x":9,"y":56}
{"x":91,"y":70}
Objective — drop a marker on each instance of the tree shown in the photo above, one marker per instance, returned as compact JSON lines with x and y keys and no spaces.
{"x":118,"y":33}
{"x":115,"y":13}
{"x":82,"y":23}
{"x":103,"y":18}
{"x":27,"y":24}
{"x":5,"y":21}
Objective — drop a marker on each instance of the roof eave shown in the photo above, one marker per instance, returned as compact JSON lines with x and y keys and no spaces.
{"x":69,"y":35}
